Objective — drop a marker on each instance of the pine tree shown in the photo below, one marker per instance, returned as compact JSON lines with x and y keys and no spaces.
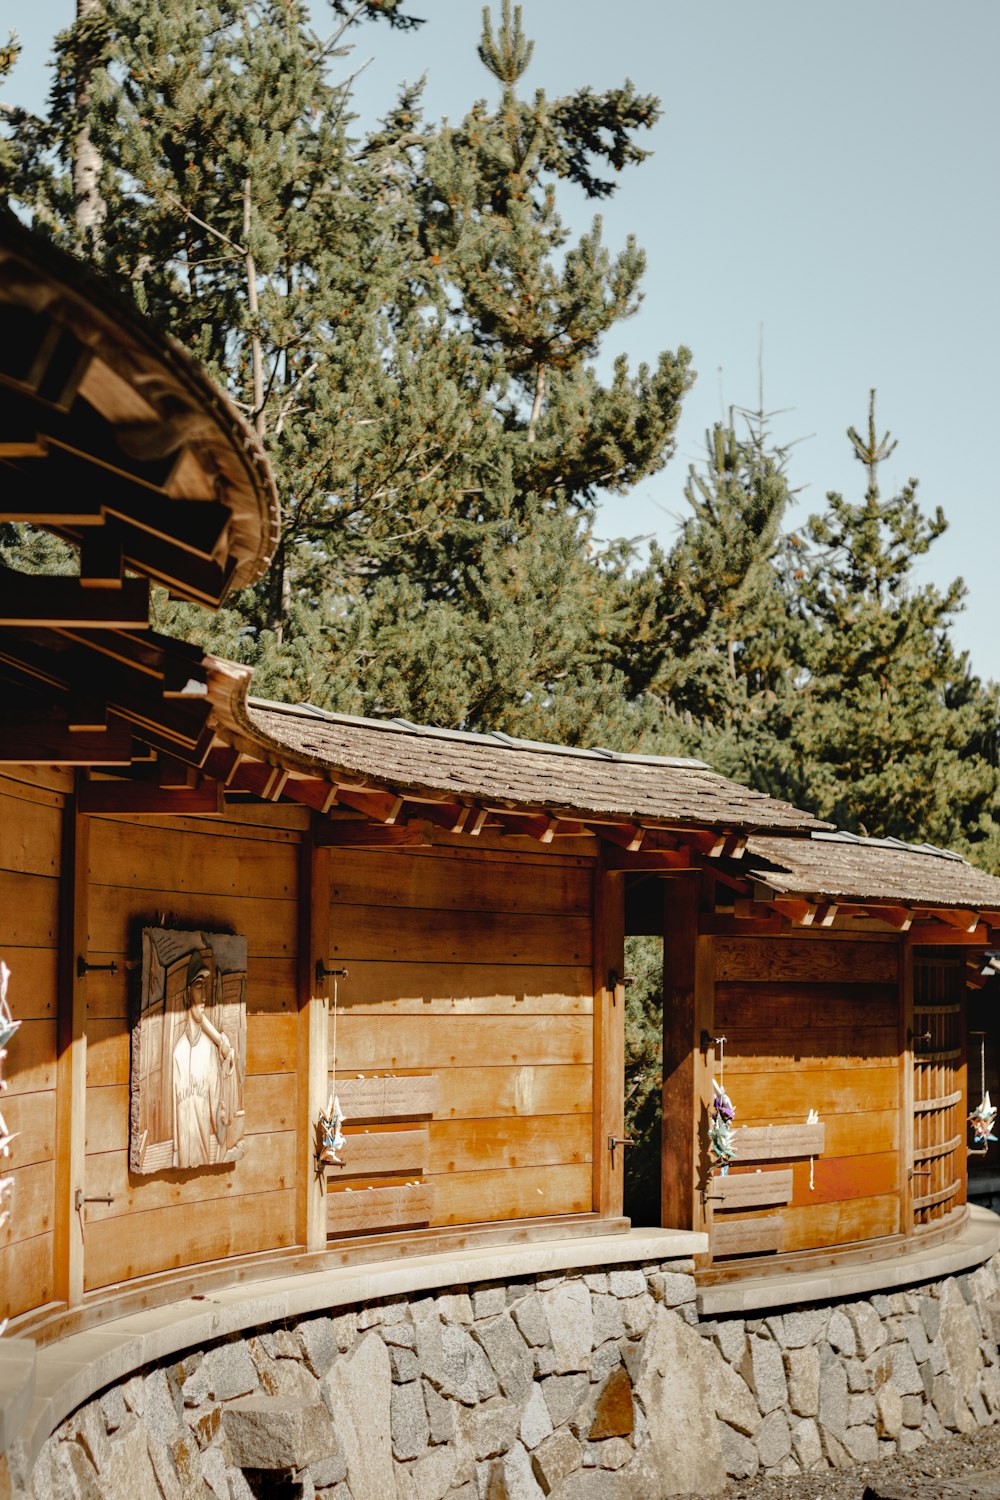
{"x":889,"y":731}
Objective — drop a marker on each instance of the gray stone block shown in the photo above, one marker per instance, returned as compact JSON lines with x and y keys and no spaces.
{"x":674,"y":1389}
{"x":739,"y":1454}
{"x":773,"y":1440}
{"x":804,"y":1326}
{"x":802,"y":1376}
{"x":555,"y":1459}
{"x":912,"y":1409}
{"x":571,"y":1326}
{"x":614,"y":1454}
{"x":910,"y":1440}
{"x":638,"y":1313}
{"x":455,"y":1307}
{"x":518,"y":1475}
{"x":564,"y":1394}
{"x":930,"y":1313}
{"x":358,"y":1391}
{"x":399,"y":1335}
{"x":889,"y":1410}
{"x":861,"y":1410}
{"x":833,"y":1401}
{"x":408,"y":1421}
{"x":329,"y":1471}
{"x":604,"y":1360}
{"x":440,"y":1414}
{"x":626,"y":1283}
{"x":266,"y":1432}
{"x":674,"y":1289}
{"x":508,"y":1353}
{"x":404,"y":1365}
{"x":492,"y":1427}
{"x":731,"y":1339}
{"x":840,"y":1334}
{"x":961,"y":1340}
{"x":806,"y":1444}
{"x":763,"y":1368}
{"x":319,"y":1346}
{"x":345,"y":1330}
{"x":230,"y":1371}
{"x":489,"y":1301}
{"x":869,"y":1332}
{"x":608,"y":1319}
{"x":862,"y":1444}
{"x":160,"y":1411}
{"x":536,"y":1424}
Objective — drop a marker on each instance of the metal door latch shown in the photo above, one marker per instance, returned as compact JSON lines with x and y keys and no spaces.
{"x":80,"y":1199}
{"x":618,"y":1140}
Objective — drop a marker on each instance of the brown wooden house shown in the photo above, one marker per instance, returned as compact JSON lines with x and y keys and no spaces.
{"x":476,"y":889}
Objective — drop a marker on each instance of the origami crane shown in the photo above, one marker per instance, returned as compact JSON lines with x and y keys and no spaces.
{"x":982,"y":1120}
{"x":333,"y":1139}
{"x":720,"y":1130}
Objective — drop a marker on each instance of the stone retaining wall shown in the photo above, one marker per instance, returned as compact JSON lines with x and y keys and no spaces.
{"x":601,"y":1385}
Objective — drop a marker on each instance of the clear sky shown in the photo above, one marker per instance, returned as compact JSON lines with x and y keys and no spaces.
{"x":826,"y":173}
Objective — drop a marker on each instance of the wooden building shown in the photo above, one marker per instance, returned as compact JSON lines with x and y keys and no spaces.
{"x":476,"y":890}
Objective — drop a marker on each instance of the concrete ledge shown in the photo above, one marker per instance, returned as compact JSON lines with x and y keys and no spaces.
{"x":73,"y":1370}
{"x":978,"y":1241}
{"x":17,"y":1387}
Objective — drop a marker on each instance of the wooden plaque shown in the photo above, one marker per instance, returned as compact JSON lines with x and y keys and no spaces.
{"x":366,"y":1153}
{"x":388,"y":1098}
{"x":777,"y":1142}
{"x":746,"y":1236}
{"x":751,"y":1189}
{"x":349,"y":1211}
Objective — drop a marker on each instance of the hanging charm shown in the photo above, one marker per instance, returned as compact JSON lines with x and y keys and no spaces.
{"x":812,"y":1119}
{"x":720,"y":1131}
{"x":332,"y":1139}
{"x":983,"y":1117}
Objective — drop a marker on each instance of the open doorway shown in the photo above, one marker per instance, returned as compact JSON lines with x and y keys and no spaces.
{"x":643,"y":1077}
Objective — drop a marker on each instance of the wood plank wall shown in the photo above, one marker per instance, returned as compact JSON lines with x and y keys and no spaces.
{"x":476,"y":966}
{"x":31,"y":813}
{"x":237,"y":874}
{"x":813,"y":1023}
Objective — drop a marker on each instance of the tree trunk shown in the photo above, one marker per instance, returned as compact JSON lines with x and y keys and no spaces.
{"x":89,"y":207}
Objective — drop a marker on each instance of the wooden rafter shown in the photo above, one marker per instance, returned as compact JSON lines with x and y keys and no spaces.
{"x":381,"y":806}
{"x":30,"y":601}
{"x":364,"y":834}
{"x":143,"y":797}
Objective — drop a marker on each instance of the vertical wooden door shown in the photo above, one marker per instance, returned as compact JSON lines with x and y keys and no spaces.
{"x":939,"y":1105}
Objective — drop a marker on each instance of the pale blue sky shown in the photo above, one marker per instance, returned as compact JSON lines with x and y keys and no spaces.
{"x":826,"y":172}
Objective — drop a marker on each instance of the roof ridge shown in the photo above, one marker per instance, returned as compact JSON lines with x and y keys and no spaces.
{"x":400,"y":725}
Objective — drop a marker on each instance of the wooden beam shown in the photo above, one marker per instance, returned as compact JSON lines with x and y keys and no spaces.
{"x":71,"y":1059}
{"x":687,"y":1013}
{"x":31,"y":601}
{"x":965,"y":921}
{"x":905,"y":1045}
{"x":223,"y":763}
{"x":899,"y":917}
{"x":102,"y":558}
{"x":653,"y":861}
{"x":628,"y":836}
{"x":453,"y":817}
{"x":381,"y":806}
{"x":356,"y":834}
{"x":538,"y":826}
{"x":260,"y":779}
{"x":609,"y":1039}
{"x":312,"y":792}
{"x":143,"y":797}
{"x":45,"y":743}
{"x":313,"y":1040}
{"x":801,"y":913}
{"x":940,"y":935}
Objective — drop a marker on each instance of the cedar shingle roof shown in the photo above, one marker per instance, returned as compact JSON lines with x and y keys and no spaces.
{"x":842,"y":867}
{"x":521,"y":774}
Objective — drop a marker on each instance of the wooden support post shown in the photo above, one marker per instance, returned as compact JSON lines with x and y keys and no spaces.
{"x":609,"y":1039}
{"x":906,"y":1087}
{"x":313,"y":1040}
{"x":687,"y":1013}
{"x":71,"y":1064}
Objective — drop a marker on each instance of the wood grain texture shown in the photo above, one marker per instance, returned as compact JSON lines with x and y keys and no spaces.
{"x":362,"y":933}
{"x":269,"y":925}
{"x":381,"y":1098}
{"x":751,"y":1189}
{"x":494,"y":1145}
{"x":809,"y":1051}
{"x":731,"y":1236}
{"x":478,"y":1093}
{"x":438,"y":1042}
{"x":268,"y":1163}
{"x":805,"y":1007}
{"x":369,"y":1152}
{"x":30,"y":835}
{"x":789,"y":1096}
{"x":609,"y":1041}
{"x":422,"y":989}
{"x":440,"y":881}
{"x":349,"y":1212}
{"x":26,"y":1275}
{"x":194,"y":865}
{"x":521,"y":1193}
{"x":32,"y":1205}
{"x":32,"y":989}
{"x":683,"y":1091}
{"x":31,"y":1058}
{"x":30,"y":906}
{"x":777,"y":1142}
{"x":188,"y":1234}
{"x":814,"y":960}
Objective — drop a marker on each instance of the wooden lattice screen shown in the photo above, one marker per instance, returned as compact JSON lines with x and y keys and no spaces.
{"x":938,"y":1089}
